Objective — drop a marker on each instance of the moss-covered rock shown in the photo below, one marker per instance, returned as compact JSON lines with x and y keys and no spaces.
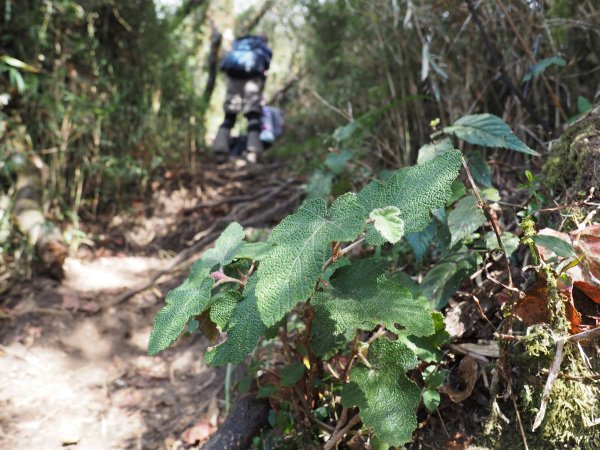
{"x":573,"y":405}
{"x":574,"y":162}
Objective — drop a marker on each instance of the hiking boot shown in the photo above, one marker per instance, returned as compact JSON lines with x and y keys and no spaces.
{"x":221,"y":143}
{"x":254,"y":144}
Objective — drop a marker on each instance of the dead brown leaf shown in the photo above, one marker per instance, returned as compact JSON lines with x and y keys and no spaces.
{"x":199,"y":432}
{"x":458,"y":442}
{"x":533,"y":309}
{"x":468,"y":372}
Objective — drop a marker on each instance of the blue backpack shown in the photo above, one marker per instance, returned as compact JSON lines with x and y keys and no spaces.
{"x":249,"y":57}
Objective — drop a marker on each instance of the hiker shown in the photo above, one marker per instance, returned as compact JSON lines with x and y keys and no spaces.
{"x":246,"y":66}
{"x":271,"y":125}
{"x":271,"y":129}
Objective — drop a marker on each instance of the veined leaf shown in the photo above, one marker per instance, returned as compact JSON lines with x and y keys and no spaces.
{"x":430,"y":151}
{"x":183,"y":303}
{"x":229,"y":243}
{"x":345,"y":132}
{"x":360,"y":299}
{"x":244,"y":329}
{"x":388,"y":223}
{"x":479,"y":168}
{"x":542,"y":65}
{"x":254,"y":250}
{"x":465,"y":219}
{"x":415,"y":191}
{"x":419,"y":241}
{"x":302,"y":241}
{"x":222,"y":306}
{"x":193,"y":297}
{"x":557,"y":245}
{"x":446,"y":276}
{"x":337,"y":161}
{"x":386,"y":397}
{"x":427,"y":348}
{"x":509,"y":240}
{"x":489,"y":131}
{"x":319,"y":185}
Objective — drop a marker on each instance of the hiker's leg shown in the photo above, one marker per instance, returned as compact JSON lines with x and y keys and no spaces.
{"x":233,"y":105}
{"x":253,"y":111}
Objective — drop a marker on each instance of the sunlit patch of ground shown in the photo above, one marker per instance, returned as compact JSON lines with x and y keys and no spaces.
{"x":75,"y":372}
{"x":107,"y":273}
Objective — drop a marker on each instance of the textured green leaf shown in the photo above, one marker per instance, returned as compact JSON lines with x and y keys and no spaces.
{"x":388,"y":223}
{"x":183,"y":303}
{"x":490,"y":194}
{"x":459,"y":190}
{"x":557,"y":245}
{"x":386,"y":397}
{"x":226,"y":247}
{"x":427,"y":348}
{"x":415,"y":191}
{"x":337,"y":161}
{"x":362,"y":298}
{"x":291,"y":374}
{"x":489,"y":131}
{"x":222,"y":306}
{"x":465,"y":219}
{"x":244,"y":329}
{"x":254,"y":250}
{"x":430,"y":151}
{"x":302,"y":241}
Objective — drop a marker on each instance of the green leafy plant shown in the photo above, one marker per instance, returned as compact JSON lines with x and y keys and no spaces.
{"x":363,"y":325}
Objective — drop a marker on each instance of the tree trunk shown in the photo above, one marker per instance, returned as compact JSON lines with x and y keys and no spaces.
{"x":212,"y":63}
{"x":44,"y":236}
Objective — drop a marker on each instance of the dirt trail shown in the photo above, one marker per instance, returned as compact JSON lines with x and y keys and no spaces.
{"x":73,"y":364}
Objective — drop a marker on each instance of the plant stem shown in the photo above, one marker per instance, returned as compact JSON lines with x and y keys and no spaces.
{"x":334,"y":439}
{"x":227,"y":279}
{"x":486,"y":211}
{"x":228,"y":388}
{"x":351,"y":360}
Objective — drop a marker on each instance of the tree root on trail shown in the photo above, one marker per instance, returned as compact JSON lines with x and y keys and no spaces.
{"x":241,"y":214}
{"x":247,"y":418}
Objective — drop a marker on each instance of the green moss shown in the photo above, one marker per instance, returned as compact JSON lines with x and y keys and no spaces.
{"x":573,"y":405}
{"x":574,"y":162}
